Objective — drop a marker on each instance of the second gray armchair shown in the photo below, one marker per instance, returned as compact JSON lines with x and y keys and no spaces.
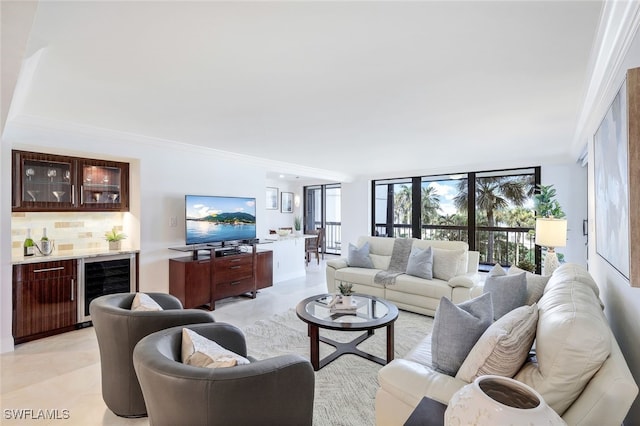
{"x":274,"y":391}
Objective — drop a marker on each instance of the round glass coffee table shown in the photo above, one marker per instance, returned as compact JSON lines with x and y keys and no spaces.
{"x":371,"y":312}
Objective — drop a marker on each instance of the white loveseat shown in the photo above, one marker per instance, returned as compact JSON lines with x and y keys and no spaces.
{"x":580,"y":370}
{"x":409,"y":292}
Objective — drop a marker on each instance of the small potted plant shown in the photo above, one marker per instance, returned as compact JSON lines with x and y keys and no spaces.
{"x":297,"y":224}
{"x":346,"y":290}
{"x":114,"y":238}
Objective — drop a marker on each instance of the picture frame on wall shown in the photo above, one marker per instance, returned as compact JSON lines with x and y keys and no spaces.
{"x":286,"y":202}
{"x":616,"y":148}
{"x":272,"y":198}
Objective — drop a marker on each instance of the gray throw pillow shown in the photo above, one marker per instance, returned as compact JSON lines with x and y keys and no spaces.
{"x":420,"y":263}
{"x":507,"y":292}
{"x":359,"y":256}
{"x":535,"y":284}
{"x":456,"y":329}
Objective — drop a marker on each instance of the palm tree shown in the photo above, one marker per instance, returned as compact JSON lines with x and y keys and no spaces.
{"x":519,"y":217}
{"x":402,"y":205}
{"x":492,"y":195}
{"x":430,"y":203}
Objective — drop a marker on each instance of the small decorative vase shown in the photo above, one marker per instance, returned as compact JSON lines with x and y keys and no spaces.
{"x":498,"y":401}
{"x":346,"y":300}
{"x":115,"y":245}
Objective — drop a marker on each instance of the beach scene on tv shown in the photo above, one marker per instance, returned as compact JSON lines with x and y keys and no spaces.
{"x":214,"y":219}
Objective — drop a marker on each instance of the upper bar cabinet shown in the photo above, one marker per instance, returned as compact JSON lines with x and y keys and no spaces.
{"x":47,"y":182}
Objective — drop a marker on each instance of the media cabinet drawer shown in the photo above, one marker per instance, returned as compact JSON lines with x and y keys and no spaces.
{"x":230,"y":261}
{"x":234,"y":288}
{"x":233,"y":269}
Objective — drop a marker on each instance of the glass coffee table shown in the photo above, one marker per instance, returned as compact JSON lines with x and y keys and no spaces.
{"x":371,"y":313}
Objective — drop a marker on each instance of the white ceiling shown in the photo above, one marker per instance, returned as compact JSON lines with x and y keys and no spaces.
{"x":363,"y":88}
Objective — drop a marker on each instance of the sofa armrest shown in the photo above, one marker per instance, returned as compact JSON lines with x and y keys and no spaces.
{"x":409,"y":381}
{"x":468,"y":280}
{"x":332,"y":267}
{"x":337,"y":263}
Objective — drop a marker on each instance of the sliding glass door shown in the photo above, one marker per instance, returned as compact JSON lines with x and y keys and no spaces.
{"x":322,"y":210}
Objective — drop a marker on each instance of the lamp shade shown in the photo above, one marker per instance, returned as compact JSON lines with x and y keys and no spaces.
{"x":551,"y":232}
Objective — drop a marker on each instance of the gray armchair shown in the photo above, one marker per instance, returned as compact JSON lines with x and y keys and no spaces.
{"x":118,"y":329}
{"x":275,"y":391}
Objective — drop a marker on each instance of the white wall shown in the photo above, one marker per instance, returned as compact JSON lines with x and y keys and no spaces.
{"x":275,"y":218}
{"x":356,"y":212}
{"x":622,"y":302}
{"x":17,"y":18}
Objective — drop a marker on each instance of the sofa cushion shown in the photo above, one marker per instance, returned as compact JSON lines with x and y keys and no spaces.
{"x":359,"y":256}
{"x":420,"y":263}
{"x":448,"y":263}
{"x":572,"y":341}
{"x":456,"y":328}
{"x":503,"y":347}
{"x":363,"y":276}
{"x":535,"y":283}
{"x":199,"y":351}
{"x":507,"y":292}
{"x":413,"y":285}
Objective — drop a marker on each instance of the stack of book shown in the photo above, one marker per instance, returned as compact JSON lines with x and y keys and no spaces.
{"x":342,"y":308}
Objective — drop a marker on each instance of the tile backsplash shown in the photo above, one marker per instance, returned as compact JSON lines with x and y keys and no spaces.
{"x":69,"y":230}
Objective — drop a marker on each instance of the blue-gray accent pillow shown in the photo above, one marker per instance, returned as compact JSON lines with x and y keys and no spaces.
{"x":420,"y":263}
{"x":456,"y":329}
{"x":359,"y":257}
{"x":508,"y":292}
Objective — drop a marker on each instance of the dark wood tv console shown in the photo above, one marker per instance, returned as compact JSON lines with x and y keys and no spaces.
{"x":202,"y":280}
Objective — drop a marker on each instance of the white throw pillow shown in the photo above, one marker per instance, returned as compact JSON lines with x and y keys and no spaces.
{"x":199,"y":351}
{"x":503,"y":348}
{"x":144,"y":302}
{"x":447,"y":263}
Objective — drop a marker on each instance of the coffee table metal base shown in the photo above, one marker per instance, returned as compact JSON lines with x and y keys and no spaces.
{"x":346,"y":347}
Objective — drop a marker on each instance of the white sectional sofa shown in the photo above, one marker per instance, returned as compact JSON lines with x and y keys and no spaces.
{"x":579,"y":368}
{"x":409,"y":292}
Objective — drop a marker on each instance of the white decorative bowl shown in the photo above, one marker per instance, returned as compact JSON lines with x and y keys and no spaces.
{"x":283,"y":232}
{"x":499,"y":401}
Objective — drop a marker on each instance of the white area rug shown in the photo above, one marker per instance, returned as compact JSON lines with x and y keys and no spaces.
{"x":346,"y":388}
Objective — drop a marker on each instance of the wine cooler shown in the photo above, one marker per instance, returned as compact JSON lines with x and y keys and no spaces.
{"x":104,"y":275}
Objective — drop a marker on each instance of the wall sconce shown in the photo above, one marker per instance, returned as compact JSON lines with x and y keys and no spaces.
{"x":551,"y":233}
{"x":296,"y":200}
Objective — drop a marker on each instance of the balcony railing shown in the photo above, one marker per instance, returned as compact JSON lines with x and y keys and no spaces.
{"x":507,"y":246}
{"x":332,"y":236}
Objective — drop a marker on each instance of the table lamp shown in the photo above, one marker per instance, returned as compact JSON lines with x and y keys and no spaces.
{"x":551,"y":233}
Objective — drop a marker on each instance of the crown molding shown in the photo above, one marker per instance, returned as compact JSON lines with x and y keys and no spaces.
{"x":619,"y":22}
{"x":31,"y":132}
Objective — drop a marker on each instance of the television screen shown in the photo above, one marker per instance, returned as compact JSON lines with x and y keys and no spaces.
{"x":212,"y":219}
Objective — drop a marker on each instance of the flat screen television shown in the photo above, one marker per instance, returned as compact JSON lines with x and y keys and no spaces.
{"x":215,"y":219}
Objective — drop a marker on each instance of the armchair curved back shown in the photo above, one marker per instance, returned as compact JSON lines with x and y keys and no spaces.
{"x":118,"y":329}
{"x":279,"y":390}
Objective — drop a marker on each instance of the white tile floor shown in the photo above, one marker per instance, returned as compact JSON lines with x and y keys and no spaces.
{"x":56,"y":380}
